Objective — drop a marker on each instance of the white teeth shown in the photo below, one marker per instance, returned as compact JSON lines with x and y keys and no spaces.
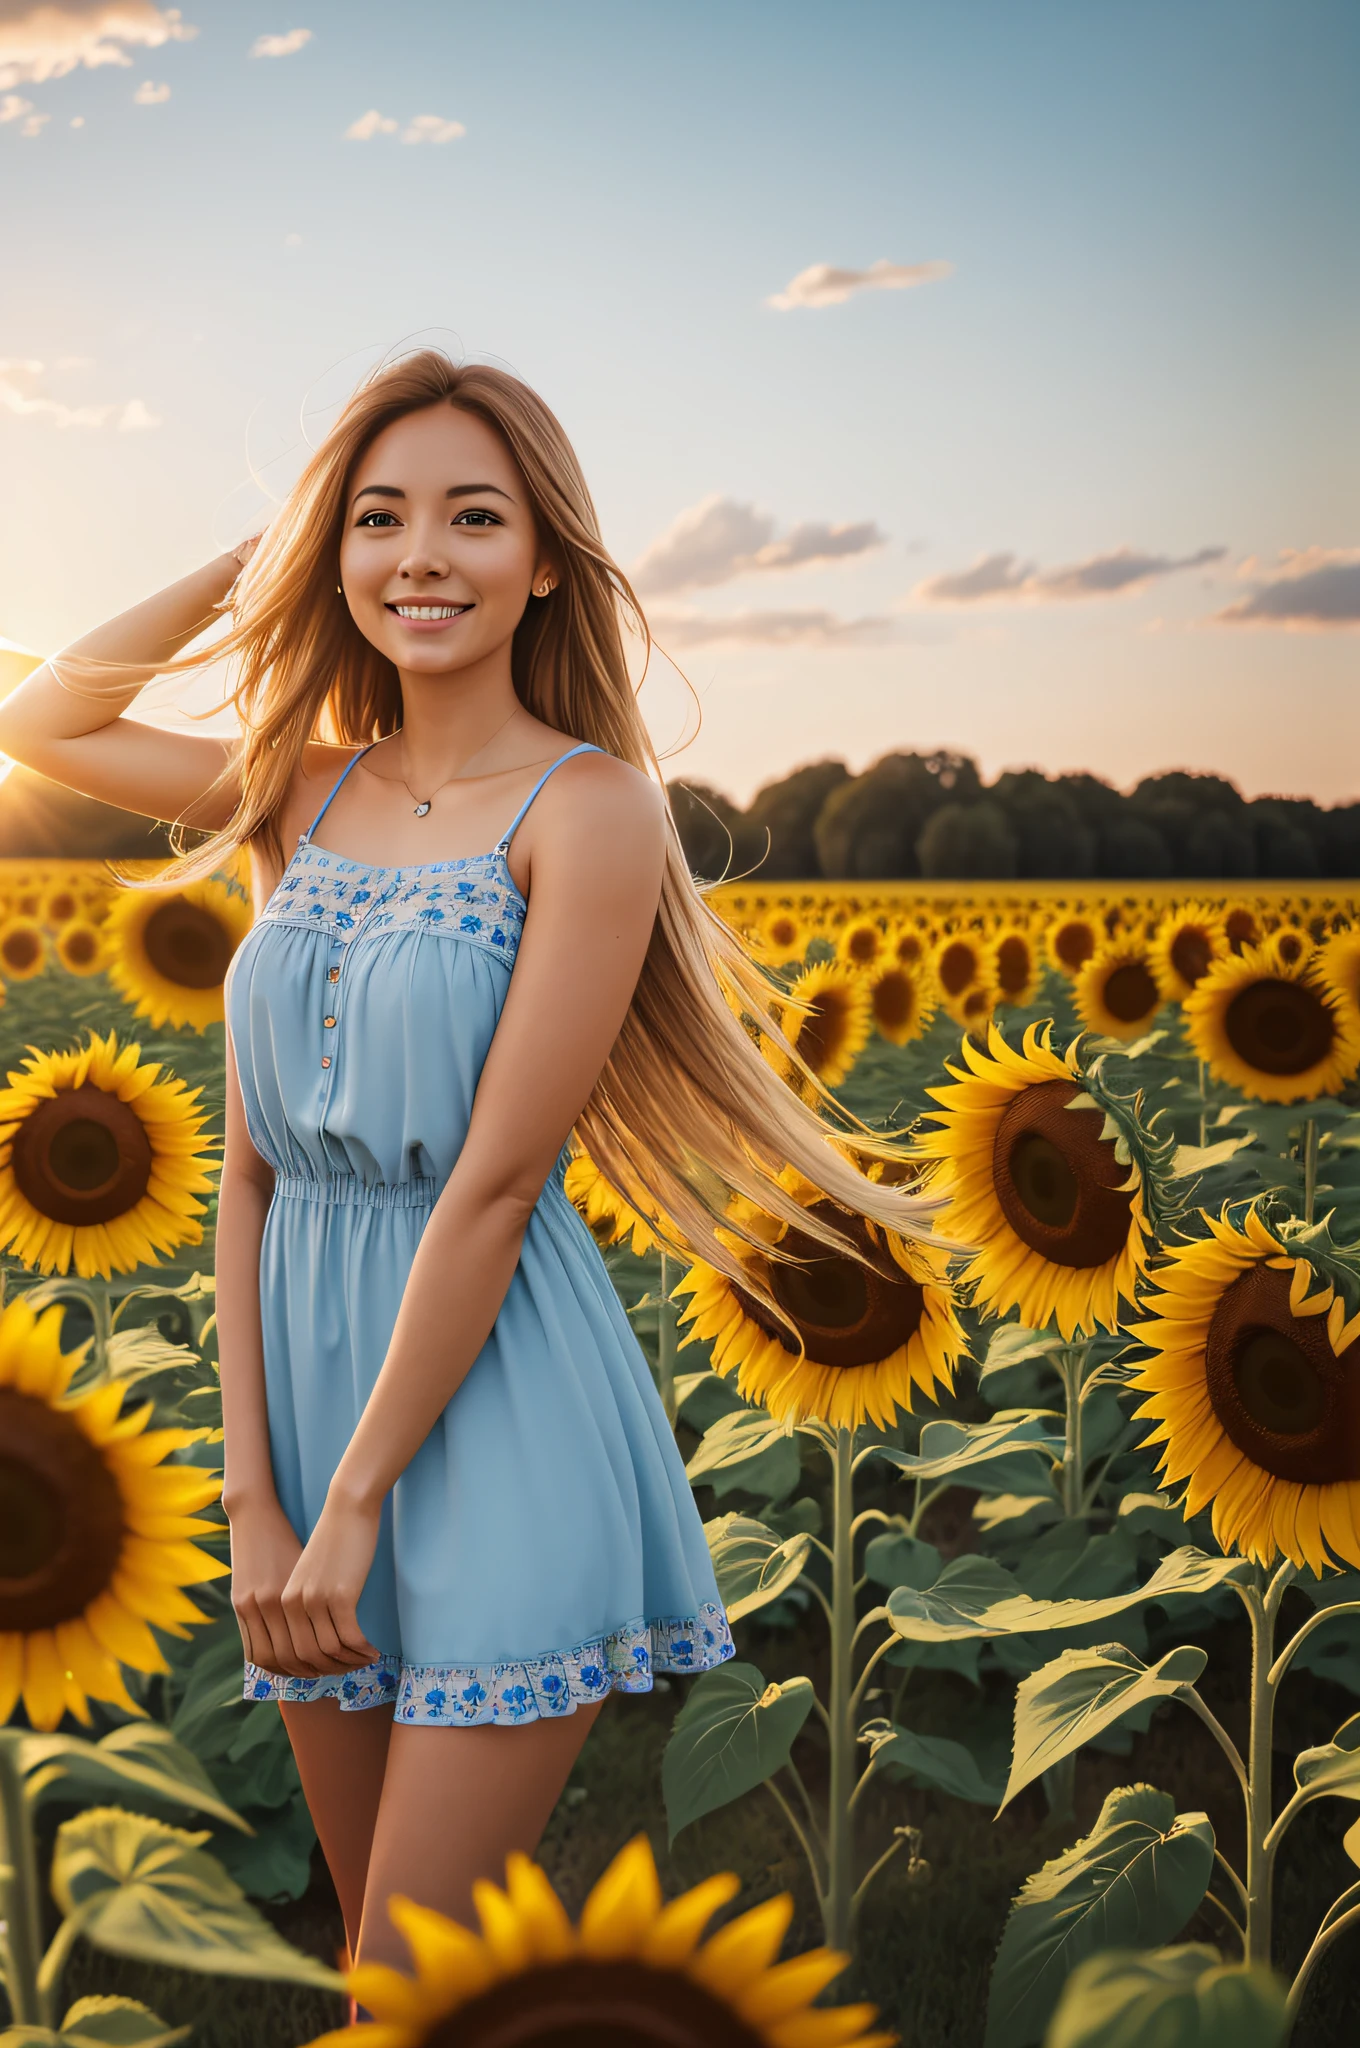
{"x":428,"y":611}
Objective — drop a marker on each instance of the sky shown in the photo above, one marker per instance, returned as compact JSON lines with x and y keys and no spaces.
{"x":948,"y":373}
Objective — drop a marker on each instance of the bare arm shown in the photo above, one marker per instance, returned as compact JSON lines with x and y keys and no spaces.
{"x":65,"y":719}
{"x":597,"y":856}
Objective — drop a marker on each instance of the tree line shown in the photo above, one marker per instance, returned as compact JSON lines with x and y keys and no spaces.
{"x":931,"y":816}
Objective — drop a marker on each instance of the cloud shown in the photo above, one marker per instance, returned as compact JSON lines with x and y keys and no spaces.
{"x":825,"y":284}
{"x":769,"y":629}
{"x":149,"y":95}
{"x":47,"y":40}
{"x":719,"y":539}
{"x":1003,"y":577}
{"x":369,"y":124}
{"x":13,"y":108}
{"x":280,"y":46}
{"x":1310,"y":587}
{"x":21,"y":393}
{"x":432,"y":128}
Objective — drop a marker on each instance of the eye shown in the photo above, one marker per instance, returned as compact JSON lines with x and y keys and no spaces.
{"x":374,"y":518}
{"x":474,"y":516}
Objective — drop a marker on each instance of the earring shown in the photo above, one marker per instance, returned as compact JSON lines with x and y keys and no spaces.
{"x":546,"y":591}
{"x":339,"y":589}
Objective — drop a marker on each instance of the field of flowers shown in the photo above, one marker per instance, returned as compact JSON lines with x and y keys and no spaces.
{"x":1042,"y":1554}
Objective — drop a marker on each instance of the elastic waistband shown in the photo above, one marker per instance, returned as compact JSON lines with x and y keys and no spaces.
{"x":347,"y":1191}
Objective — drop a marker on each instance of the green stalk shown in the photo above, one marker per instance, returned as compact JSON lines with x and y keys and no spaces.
{"x":22,"y":1897}
{"x":840,"y":1704}
{"x":101,"y":1314}
{"x":1060,"y":1782}
{"x":1262,"y":1607}
{"x":1202,"y":1073}
{"x":1310,"y":1167}
{"x":665,"y":1342}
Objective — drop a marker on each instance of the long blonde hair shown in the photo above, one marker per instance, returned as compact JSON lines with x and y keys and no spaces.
{"x":687,"y":1111}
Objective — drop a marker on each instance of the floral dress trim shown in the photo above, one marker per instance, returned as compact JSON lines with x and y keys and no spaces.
{"x":471,"y":1695}
{"x":472,"y":899}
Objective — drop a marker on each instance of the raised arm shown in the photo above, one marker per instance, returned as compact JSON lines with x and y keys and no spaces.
{"x":597,"y":851}
{"x":65,"y":719}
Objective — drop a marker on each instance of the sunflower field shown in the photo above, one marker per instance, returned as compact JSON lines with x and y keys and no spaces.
{"x":1041,"y":1540}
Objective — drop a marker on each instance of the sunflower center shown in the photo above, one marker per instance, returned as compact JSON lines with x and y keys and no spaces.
{"x":1191,"y":953}
{"x":1130,"y":992}
{"x":1277,"y":1387}
{"x":1012,"y":964}
{"x":847,"y":1315}
{"x":822,"y":1032}
{"x":1280,"y":1027}
{"x":61,"y":1516}
{"x":21,"y":949}
{"x":957,"y":967}
{"x":1242,"y":929}
{"x":894,"y":1000}
{"x":583,"y":2004}
{"x":81,"y":947}
{"x":1074,"y":945}
{"x":82,"y":1156}
{"x":1057,"y":1181}
{"x":863,"y":944}
{"x":187,"y":944}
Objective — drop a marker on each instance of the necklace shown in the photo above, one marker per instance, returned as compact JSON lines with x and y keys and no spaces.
{"x":422,"y":803}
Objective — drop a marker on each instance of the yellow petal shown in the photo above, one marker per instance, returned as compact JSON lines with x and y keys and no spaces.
{"x":740,"y":1951}
{"x":453,"y":1962}
{"x":624,"y":1904}
{"x":790,"y":1987}
{"x":541,"y":1912}
{"x":675,"y":1936}
{"x":44,"y":1680}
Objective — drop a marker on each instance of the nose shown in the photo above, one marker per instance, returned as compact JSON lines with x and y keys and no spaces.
{"x":424,"y":562}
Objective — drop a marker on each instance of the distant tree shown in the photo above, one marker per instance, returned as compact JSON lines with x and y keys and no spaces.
{"x":787,"y":811}
{"x":869,"y":826}
{"x":968,"y":843}
{"x":1052,"y":839}
{"x":1342,"y":841}
{"x":1284,"y":830}
{"x":1220,"y":847}
{"x":711,"y":829}
{"x":1130,"y":849}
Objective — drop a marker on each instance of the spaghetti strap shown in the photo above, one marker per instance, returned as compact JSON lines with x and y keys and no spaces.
{"x":336,"y":786}
{"x":585,"y":747}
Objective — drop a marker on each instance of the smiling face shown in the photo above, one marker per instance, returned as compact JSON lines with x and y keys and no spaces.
{"x":439,"y":553}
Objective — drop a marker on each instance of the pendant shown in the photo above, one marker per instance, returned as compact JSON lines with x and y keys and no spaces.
{"x":422,"y":810}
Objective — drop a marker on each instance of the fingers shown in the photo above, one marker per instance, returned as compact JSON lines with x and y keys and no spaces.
{"x":316,"y":1639}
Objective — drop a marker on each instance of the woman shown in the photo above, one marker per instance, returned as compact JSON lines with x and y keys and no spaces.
{"x":455,"y":1502}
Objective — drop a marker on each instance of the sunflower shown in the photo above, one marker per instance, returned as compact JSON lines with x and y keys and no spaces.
{"x":100,"y":1162}
{"x":831,"y":1031}
{"x":1071,"y":940}
{"x":851,"y":1341}
{"x":61,"y":903}
{"x":610,"y":1218}
{"x":1116,"y":991}
{"x":863,"y":942}
{"x":960,"y":963}
{"x":909,"y":945}
{"x":80,"y":947}
{"x":634,"y":1970}
{"x":1277,"y":1033}
{"x":1038,"y":1186}
{"x":1185,"y":946}
{"x":1255,"y":1391}
{"x":903,"y":1002}
{"x":169,"y":951}
{"x":1338,"y":963}
{"x":23,"y":948}
{"x":782,"y":935}
{"x":1242,"y":927}
{"x":94,"y":1530}
{"x":1013,"y":966}
{"x":1288,"y":945}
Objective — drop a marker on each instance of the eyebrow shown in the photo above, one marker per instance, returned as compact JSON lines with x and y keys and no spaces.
{"x":454,"y":491}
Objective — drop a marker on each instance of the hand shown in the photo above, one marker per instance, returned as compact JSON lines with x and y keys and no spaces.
{"x":242,"y":554}
{"x":322,"y":1594}
{"x":264,"y":1550}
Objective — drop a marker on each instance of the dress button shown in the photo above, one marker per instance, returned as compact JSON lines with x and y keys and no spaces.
{"x":329,"y":1023}
{"x":325,"y":1059}
{"x":334,"y":974}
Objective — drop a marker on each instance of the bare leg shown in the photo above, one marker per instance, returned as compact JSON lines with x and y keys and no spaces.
{"x":341,"y":1759}
{"x":455,"y":1802}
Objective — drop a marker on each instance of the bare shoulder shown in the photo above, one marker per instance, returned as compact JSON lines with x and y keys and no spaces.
{"x":597,"y":797}
{"x":319,"y":767}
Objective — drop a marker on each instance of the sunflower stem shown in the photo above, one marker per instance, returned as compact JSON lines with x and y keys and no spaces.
{"x":1310,"y":1167}
{"x":51,"y":1969}
{"x":665,"y":1342}
{"x":1326,"y":1934}
{"x":841,"y":1709}
{"x":1202,"y":1079}
{"x":1260,"y":1856}
{"x":1060,"y":1782}
{"x":22,"y":1893}
{"x":101,"y":1316}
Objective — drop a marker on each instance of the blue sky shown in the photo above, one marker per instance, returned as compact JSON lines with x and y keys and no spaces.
{"x":1084,"y":496}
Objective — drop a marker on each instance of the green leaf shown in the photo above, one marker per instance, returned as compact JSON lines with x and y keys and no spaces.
{"x":1170,"y":1998}
{"x":138,"y":1887}
{"x":746,"y":1449}
{"x":976,"y":1597}
{"x":1333,"y":1771}
{"x":898,"y":1559}
{"x":1082,"y":1693}
{"x":935,"y":1761}
{"x":732,"y":1733}
{"x":137,"y":1354}
{"x":1133,"y":1882}
{"x":951,"y":1447}
{"x":701,"y":1397}
{"x":1013,"y":1344}
{"x":117,"y":2023}
{"x":753,"y":1566}
{"x":141,"y":1753}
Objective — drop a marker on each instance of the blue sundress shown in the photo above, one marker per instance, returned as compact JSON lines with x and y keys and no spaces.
{"x":542,"y":1548}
